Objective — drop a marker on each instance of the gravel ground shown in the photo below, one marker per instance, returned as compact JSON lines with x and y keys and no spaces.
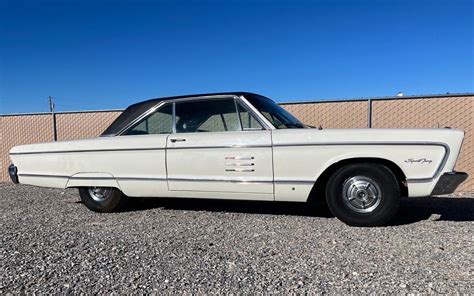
{"x":51,"y":243}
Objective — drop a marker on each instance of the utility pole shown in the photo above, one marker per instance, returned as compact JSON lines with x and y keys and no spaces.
{"x":53,"y":116}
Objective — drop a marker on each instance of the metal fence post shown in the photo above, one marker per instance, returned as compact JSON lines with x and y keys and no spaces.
{"x":369,"y":113}
{"x":55,"y":132}
{"x":53,"y":116}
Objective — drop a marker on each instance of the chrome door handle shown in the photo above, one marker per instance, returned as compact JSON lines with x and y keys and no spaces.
{"x":174,"y":140}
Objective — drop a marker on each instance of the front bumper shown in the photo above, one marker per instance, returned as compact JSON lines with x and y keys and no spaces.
{"x":13,"y":172}
{"x":448,"y":182}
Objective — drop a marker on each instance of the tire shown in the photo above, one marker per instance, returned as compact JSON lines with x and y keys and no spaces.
{"x":102,"y":199}
{"x":363,"y":194}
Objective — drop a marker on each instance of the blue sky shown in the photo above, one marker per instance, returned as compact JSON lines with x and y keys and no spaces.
{"x":109,"y":54}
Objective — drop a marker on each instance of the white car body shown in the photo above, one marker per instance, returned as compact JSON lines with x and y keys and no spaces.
{"x":270,"y":164}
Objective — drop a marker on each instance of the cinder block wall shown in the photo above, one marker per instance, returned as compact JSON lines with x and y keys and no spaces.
{"x":419,"y":112}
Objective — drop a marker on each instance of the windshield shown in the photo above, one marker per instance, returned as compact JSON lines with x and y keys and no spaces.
{"x":279,"y":117}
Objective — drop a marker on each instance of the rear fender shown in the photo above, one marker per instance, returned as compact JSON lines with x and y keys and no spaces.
{"x":92,"y":180}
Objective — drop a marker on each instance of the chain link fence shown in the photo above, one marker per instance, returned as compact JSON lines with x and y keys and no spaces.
{"x":455,"y":111}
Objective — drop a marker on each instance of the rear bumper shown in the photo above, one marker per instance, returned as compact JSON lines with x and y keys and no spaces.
{"x":13,"y":173}
{"x":448,"y":182}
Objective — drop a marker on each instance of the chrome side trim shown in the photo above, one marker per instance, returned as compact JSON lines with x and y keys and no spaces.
{"x":141,"y":149}
{"x":412,"y":180}
{"x":87,"y":150}
{"x":171,"y":179}
{"x":216,"y":147}
{"x":240,"y":170}
{"x":239,"y":164}
{"x":140,"y":179}
{"x":301,"y":182}
{"x":119,"y":178}
{"x":239,"y":157}
{"x":44,"y":176}
{"x":93,"y":178}
{"x":219,"y":180}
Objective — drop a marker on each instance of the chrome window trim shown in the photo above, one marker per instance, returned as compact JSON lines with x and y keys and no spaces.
{"x":173,"y":120}
{"x":236,"y":105}
{"x":237,"y":100}
{"x":259,"y":116}
{"x":171,"y":101}
{"x":139,"y":118}
{"x":240,"y":99}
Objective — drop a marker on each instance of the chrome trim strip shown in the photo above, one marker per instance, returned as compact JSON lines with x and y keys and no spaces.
{"x":140,"y":179}
{"x":216,"y":147}
{"x":43,"y":176}
{"x":87,"y":150}
{"x":219,"y":180}
{"x":171,"y":179}
{"x":240,"y":170}
{"x":239,"y":157}
{"x":302,"y":182}
{"x":141,"y":149}
{"x":118,"y":178}
{"x":239,"y":164}
{"x":417,"y":180}
{"x":93,"y":178}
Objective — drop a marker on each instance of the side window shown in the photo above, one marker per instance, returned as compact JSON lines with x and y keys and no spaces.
{"x":207,"y":116}
{"x":249,"y":123}
{"x":160,"y":122}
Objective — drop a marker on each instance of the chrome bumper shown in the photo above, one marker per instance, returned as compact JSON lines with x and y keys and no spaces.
{"x":448,"y":182}
{"x":13,"y":173}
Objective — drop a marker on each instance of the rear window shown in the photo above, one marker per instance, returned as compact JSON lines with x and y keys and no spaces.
{"x":129,"y":115}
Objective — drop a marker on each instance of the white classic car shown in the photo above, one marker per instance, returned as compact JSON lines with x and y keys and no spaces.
{"x":244,"y":146}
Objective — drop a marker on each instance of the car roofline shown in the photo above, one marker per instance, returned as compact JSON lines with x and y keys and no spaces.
{"x":163,"y":99}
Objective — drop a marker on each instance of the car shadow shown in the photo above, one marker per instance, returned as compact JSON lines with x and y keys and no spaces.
{"x":456,"y":209}
{"x":411,"y":210}
{"x":229,"y":206}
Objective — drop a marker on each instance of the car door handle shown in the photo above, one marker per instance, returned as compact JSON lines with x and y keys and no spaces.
{"x":174,"y":140}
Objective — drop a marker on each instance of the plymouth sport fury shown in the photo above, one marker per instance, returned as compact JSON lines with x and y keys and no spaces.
{"x":244,"y":146}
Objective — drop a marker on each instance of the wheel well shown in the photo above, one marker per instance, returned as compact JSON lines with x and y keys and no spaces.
{"x":318,"y":191}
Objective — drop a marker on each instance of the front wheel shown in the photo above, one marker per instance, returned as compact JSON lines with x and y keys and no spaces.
{"x":102,"y":199}
{"x":363,"y":194}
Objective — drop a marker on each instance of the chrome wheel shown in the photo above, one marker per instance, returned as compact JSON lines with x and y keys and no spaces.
{"x":361,"y":194}
{"x":100,"y":194}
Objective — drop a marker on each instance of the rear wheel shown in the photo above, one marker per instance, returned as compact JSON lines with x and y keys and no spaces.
{"x":102,"y":199}
{"x":363,"y":194}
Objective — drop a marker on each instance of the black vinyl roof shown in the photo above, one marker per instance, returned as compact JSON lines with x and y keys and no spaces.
{"x":157,"y":100}
{"x":137,"y":109}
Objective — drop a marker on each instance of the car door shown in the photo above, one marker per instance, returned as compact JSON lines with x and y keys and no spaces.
{"x":215,"y":148}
